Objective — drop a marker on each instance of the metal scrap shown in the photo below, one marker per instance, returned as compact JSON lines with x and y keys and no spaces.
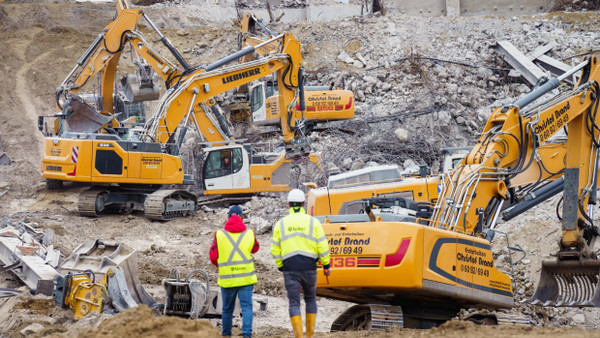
{"x":4,"y":159}
{"x":534,"y":65}
{"x":6,"y":292}
{"x":18,"y":255}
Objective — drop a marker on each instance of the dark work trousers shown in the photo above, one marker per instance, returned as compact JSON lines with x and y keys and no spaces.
{"x":294,"y":282}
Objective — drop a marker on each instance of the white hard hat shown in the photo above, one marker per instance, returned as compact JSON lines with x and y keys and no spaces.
{"x":296,"y":195}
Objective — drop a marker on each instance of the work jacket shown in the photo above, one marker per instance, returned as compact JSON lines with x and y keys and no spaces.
{"x":299,"y":242}
{"x":231,"y":252}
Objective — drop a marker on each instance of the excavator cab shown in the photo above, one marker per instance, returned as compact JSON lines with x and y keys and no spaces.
{"x":223,"y":168}
{"x":243,"y":169}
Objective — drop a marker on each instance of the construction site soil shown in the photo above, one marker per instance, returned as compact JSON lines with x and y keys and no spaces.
{"x":398,"y":68}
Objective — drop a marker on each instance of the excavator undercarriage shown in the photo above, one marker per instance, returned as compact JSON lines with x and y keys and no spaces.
{"x":157,"y":204}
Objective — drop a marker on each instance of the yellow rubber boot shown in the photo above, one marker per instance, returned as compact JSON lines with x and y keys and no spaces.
{"x":311,"y":319}
{"x":297,"y":326}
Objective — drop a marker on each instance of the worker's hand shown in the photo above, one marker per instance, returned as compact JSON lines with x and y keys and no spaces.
{"x":327,"y":272}
{"x":280,"y":268}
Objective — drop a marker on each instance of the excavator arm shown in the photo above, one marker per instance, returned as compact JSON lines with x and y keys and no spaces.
{"x":101,"y":60}
{"x":251,"y":36}
{"x":193,"y":94}
{"x":508,"y":147}
{"x":191,"y":90}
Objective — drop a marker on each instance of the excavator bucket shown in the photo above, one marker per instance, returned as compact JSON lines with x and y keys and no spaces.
{"x":84,"y":118}
{"x":141,"y":87}
{"x":98,"y":257}
{"x":568,"y":283}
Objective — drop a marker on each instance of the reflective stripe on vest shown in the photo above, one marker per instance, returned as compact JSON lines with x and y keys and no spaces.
{"x":236,"y":248}
{"x":227,"y":275}
{"x":298,"y":234}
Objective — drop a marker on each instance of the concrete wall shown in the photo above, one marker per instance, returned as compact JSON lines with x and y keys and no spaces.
{"x":319,"y":10}
{"x":467,"y":7}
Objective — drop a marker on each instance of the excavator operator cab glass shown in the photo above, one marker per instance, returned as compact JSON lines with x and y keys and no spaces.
{"x":271,"y":88}
{"x":223,"y":162}
{"x":238,"y":160}
{"x":257,"y":98}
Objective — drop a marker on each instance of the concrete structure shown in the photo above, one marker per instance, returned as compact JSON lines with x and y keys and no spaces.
{"x":333,"y":9}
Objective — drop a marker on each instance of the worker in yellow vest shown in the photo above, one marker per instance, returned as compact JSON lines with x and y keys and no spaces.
{"x":298,"y":244}
{"x":231,"y":251}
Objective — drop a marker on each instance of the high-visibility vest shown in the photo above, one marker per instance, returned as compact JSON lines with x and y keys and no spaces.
{"x":299,"y":234}
{"x":236,"y":266}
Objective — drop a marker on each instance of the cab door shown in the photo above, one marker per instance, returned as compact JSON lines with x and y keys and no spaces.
{"x":240,"y":168}
{"x":217,"y":170}
{"x":109,"y":162}
{"x":257,"y":103}
{"x":227,"y":169}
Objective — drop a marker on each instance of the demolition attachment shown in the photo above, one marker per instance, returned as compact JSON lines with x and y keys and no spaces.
{"x":568,"y":283}
{"x":191,"y":297}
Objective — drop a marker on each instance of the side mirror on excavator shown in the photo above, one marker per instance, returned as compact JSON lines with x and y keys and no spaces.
{"x":41,"y":123}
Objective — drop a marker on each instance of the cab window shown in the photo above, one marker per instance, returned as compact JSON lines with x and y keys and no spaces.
{"x":238,"y":160}
{"x":257,"y":98}
{"x":270,"y":89}
{"x":218,"y":163}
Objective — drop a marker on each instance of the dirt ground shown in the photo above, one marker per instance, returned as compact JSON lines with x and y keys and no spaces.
{"x":41,"y":42}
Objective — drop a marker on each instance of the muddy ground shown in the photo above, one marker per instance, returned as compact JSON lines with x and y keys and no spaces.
{"x":42,"y":41}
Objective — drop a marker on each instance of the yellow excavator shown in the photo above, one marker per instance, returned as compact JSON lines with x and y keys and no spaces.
{"x":418,"y":271}
{"x":127,"y":164}
{"x":259,"y":105}
{"x":349,"y":195}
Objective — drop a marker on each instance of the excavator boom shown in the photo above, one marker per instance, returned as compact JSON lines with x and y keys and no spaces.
{"x":127,"y":163}
{"x":422,"y":266}
{"x":323,"y":103}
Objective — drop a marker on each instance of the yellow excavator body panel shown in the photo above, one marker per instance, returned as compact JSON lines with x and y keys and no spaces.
{"x":324,"y":201}
{"x":107,"y":161}
{"x":321,"y":106}
{"x":389,"y":261}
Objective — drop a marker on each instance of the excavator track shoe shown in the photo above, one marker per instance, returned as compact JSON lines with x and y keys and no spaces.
{"x":368,"y":317}
{"x":568,"y":283}
{"x":164,"y":205}
{"x":90,"y":201}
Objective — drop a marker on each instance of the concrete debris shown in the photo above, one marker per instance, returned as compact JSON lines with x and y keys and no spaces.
{"x":31,"y":329}
{"x":260,"y":225}
{"x":358,"y":164}
{"x":579,"y":319}
{"x":401,"y":135}
{"x":345,"y":57}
